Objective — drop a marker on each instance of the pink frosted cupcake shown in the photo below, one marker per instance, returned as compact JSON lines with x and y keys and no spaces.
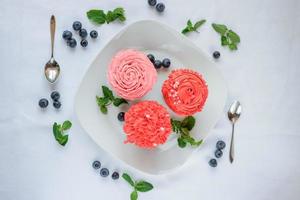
{"x":131,"y":74}
{"x":185,"y":92}
{"x":147,"y":124}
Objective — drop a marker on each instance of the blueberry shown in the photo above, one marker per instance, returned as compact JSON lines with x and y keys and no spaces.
{"x":216,"y":54}
{"x":220,"y":144}
{"x":121,"y":116}
{"x":166,"y":63}
{"x":218,"y":153}
{"x":71,"y":43}
{"x":55,"y":95}
{"x":67,"y":35}
{"x":43,"y":103}
{"x":213,"y":162}
{"x":83,"y":33}
{"x":77,"y":26}
{"x":160,"y":7}
{"x":104,"y":172}
{"x":57,"y":104}
{"x":152,"y":2}
{"x":94,"y":34}
{"x":96,"y":164}
{"x":157,"y":64}
{"x":115,"y":176}
{"x":151,"y":57}
{"x":84,"y":43}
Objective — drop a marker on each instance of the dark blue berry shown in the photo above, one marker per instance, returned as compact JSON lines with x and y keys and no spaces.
{"x":43,"y":103}
{"x":216,"y":54}
{"x":213,"y":162}
{"x":115,"y":176}
{"x":55,"y":96}
{"x":160,"y":7}
{"x":83,"y":33}
{"x":57,"y":104}
{"x":67,"y":35}
{"x":71,"y":43}
{"x":166,"y":63}
{"x":121,"y":116}
{"x":157,"y":64}
{"x":152,"y":2}
{"x":151,"y":57}
{"x":94,"y":34}
{"x":104,"y":172}
{"x":96,"y":164}
{"x":220,"y":144}
{"x":218,"y":153}
{"x":77,"y":26}
{"x":84,"y":43}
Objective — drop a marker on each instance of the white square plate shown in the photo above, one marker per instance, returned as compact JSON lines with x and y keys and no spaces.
{"x":161,"y":40}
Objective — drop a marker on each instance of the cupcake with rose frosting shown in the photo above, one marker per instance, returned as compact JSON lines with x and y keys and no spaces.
{"x":147,"y":124}
{"x":185,"y":92}
{"x":131,"y":74}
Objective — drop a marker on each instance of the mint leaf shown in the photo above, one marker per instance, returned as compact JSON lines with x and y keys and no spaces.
{"x":103,"y":109}
{"x":120,"y":14}
{"x":63,"y":140}
{"x":66,"y":125}
{"x":110,"y":16}
{"x":199,"y":23}
{"x":127,"y":178}
{"x":58,"y":130}
{"x":143,"y":186}
{"x":181,"y":142}
{"x":118,"y":101}
{"x":232,"y":46}
{"x":107,"y":93}
{"x":220,"y":28}
{"x":185,"y":30}
{"x":96,"y":16}
{"x":189,"y":24}
{"x":102,"y":101}
{"x":233,"y":37}
{"x":190,"y":27}
{"x":134,"y":195}
{"x":176,"y":125}
{"x":188,"y":122}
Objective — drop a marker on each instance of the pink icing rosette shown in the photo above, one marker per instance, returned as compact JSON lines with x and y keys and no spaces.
{"x":131,"y":74}
{"x":185,"y":92}
{"x":147,"y":124}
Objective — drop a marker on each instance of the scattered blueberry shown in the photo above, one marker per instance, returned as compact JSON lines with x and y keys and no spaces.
{"x":218,"y":153}
{"x":57,"y":104}
{"x":157,"y":64}
{"x":216,"y":54}
{"x":115,"y":176}
{"x":71,"y":43}
{"x":77,"y":26}
{"x":55,"y":95}
{"x":220,"y":144}
{"x":96,"y":164}
{"x":67,"y":35}
{"x":166,"y":63}
{"x":151,"y":57}
{"x":152,"y":2}
{"x":104,"y":172}
{"x":160,"y":7}
{"x":84,"y":43}
{"x":83,"y":33}
{"x":43,"y":103}
{"x":213,"y":162}
{"x":94,"y":34}
{"x":121,"y":116}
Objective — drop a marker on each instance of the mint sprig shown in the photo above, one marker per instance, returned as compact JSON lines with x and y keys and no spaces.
{"x":107,"y":99}
{"x":190,"y":27}
{"x":58,"y":132}
{"x":138,"y":186}
{"x":183,"y":128}
{"x":100,"y":17}
{"x":228,"y":37}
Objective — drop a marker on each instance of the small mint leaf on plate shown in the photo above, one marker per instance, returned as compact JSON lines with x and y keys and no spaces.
{"x":118,"y":101}
{"x":107,"y":93}
{"x":181,"y":142}
{"x":143,"y":186}
{"x":220,"y":28}
{"x":188,"y":122}
{"x":103,"y":109}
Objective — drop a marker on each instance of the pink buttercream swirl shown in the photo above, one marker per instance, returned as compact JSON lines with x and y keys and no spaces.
{"x":185,"y":92}
{"x":147,"y":124}
{"x":131,"y":74}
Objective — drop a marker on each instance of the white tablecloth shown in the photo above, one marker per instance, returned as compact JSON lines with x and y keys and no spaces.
{"x":263,"y":74}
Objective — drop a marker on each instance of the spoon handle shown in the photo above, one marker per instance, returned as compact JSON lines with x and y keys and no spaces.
{"x":52,"y":33}
{"x":231,"y":151}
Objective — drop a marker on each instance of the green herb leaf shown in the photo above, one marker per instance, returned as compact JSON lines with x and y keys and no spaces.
{"x":134,"y":195}
{"x":185,"y":131}
{"x":224,"y":40}
{"x":110,"y":16}
{"x":107,"y":93}
{"x":232,"y":46}
{"x":190,"y":27}
{"x":103,"y":109}
{"x":188,"y":122}
{"x":199,"y":23}
{"x":143,"y":186}
{"x":66,"y":125}
{"x":102,"y":101}
{"x":220,"y":28}
{"x":63,"y":140}
{"x":118,"y":101}
{"x":185,"y":30}
{"x":96,"y":16}
{"x":181,"y":142}
{"x":176,"y":125}
{"x":233,"y":37}
{"x":58,"y":130}
{"x":127,"y":178}
{"x":120,"y":13}
{"x":189,"y":24}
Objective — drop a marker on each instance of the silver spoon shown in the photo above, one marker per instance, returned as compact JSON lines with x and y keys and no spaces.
{"x":234,"y":113}
{"x":52,"y":68}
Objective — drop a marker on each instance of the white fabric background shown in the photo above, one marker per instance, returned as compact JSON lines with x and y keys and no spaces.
{"x":262,"y":74}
